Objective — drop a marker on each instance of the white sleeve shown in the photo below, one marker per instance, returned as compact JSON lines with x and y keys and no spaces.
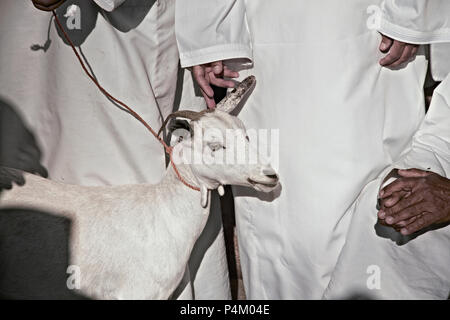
{"x":416,"y":21}
{"x":420,"y":22}
{"x":439,"y":60}
{"x":430,"y":148}
{"x":211,"y":30}
{"x":109,"y":5}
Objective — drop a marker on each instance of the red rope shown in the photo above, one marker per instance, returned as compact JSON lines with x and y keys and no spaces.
{"x":167,"y":148}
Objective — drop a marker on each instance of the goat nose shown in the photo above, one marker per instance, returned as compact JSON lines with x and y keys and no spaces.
{"x":270,"y":173}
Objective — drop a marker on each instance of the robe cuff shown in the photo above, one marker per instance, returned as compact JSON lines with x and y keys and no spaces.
{"x":407,"y":35}
{"x":424,"y":161}
{"x":216,"y":53}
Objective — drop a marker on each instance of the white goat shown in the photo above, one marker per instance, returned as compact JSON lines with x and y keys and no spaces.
{"x":134,"y":241}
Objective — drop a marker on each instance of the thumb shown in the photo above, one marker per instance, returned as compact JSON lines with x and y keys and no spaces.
{"x":413,"y":173}
{"x":385,"y":44}
{"x":217,"y":67}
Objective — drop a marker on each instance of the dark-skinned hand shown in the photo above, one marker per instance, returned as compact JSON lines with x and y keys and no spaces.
{"x":398,"y":52}
{"x":213,"y":74}
{"x":415,"y":201}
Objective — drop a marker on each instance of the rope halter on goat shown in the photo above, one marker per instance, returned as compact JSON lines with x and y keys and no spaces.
{"x":227,"y":104}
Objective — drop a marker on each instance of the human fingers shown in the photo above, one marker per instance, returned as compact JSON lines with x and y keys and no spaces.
{"x":414,"y":209}
{"x":414,"y":51}
{"x":385,"y":44}
{"x":399,"y":225}
{"x":219,"y":82}
{"x":421,"y":222}
{"x":202,"y":80}
{"x":394,"y":53}
{"x":210,"y":102}
{"x":394,"y":198}
{"x":405,"y":57}
{"x":227,"y":72}
{"x":401,"y":184}
{"x":217,"y":67}
{"x":386,"y":211}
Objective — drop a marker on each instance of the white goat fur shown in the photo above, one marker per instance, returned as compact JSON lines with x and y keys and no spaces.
{"x":134,"y":241}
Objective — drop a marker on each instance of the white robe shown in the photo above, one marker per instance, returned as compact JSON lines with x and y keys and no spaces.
{"x":379,"y":263}
{"x":84,"y":138}
{"x":342,"y":119}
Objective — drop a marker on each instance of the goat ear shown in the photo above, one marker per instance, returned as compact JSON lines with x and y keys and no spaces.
{"x":232,"y":99}
{"x":176,"y":124}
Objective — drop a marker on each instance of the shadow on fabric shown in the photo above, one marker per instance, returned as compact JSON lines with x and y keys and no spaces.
{"x":18,"y":146}
{"x":397,"y":237}
{"x":126,"y":17}
{"x":34,"y":255}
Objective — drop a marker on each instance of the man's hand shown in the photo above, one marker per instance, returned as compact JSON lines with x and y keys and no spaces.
{"x":415,"y":201}
{"x":397,"y":52}
{"x":47,"y":5}
{"x":213,"y":73}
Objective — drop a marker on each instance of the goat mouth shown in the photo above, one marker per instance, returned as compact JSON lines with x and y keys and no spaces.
{"x":266,"y":184}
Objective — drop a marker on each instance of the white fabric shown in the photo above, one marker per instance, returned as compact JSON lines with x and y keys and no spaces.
{"x":416,"y":21}
{"x":440,"y":63}
{"x":420,"y":22}
{"x":109,"y":5}
{"x":85,"y":139}
{"x":224,"y":31}
{"x":342,"y":119}
{"x":409,"y":267}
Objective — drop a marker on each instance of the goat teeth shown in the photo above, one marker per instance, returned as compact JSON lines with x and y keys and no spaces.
{"x":221,"y":190}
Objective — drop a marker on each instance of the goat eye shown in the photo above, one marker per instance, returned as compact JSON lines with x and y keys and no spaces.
{"x":246,"y":137}
{"x":215,"y":146}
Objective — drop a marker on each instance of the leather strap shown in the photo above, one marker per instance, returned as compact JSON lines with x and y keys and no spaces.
{"x":47,"y":5}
